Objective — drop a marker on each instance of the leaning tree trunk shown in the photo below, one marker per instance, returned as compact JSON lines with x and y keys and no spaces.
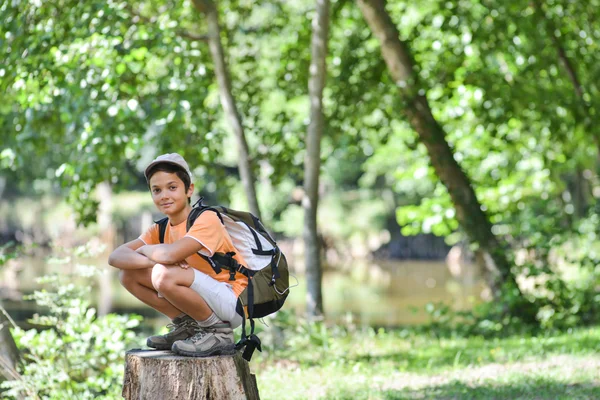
{"x":9,"y":354}
{"x":312,"y":160}
{"x":468,"y":209}
{"x":209,"y":9}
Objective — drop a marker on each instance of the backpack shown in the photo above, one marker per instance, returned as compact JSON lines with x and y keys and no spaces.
{"x":267,"y":269}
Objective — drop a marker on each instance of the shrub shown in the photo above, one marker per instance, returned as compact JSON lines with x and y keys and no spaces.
{"x":73,"y":353}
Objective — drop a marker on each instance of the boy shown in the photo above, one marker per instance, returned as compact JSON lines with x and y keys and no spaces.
{"x":172,"y":278}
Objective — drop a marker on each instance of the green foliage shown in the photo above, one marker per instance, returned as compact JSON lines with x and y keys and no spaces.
{"x":94,"y":89}
{"x":558,"y":281}
{"x":90,"y":100}
{"x":72,"y":353}
{"x":494,"y":78}
{"x":562,"y":276}
{"x":8,"y":251}
{"x":133,"y":82}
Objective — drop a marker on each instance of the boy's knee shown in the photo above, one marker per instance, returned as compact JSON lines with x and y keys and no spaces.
{"x":127,"y":277}
{"x":162,"y":278}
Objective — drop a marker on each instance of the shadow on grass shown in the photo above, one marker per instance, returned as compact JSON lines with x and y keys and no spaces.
{"x":537,"y":389}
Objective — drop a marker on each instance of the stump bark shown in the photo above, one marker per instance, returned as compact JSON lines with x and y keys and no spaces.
{"x":151,"y":374}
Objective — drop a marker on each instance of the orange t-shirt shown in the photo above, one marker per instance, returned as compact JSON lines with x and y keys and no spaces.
{"x":212,"y":235}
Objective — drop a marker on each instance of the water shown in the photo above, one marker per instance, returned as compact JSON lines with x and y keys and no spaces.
{"x":381,"y":293}
{"x":393,"y":293}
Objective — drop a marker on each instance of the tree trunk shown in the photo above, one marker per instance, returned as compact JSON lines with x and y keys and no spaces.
{"x":312,"y":160}
{"x":469,"y":214}
{"x":580,"y":192}
{"x":2,"y":185}
{"x":151,"y":374}
{"x":209,"y":9}
{"x":9,"y":354}
{"x":107,"y":231}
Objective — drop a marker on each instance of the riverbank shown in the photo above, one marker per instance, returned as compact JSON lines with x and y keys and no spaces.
{"x":399,"y":364}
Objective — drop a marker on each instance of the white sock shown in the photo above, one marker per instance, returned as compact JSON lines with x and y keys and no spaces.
{"x":210,"y":321}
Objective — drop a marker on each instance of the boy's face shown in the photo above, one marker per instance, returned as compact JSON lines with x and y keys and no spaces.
{"x":168,"y":193}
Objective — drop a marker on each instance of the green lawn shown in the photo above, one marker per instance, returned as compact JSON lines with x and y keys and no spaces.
{"x":364,"y":364}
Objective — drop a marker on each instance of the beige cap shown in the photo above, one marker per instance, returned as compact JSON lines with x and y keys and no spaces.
{"x":169,"y":158}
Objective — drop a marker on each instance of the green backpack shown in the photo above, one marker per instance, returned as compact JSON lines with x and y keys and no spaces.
{"x":267,"y":269}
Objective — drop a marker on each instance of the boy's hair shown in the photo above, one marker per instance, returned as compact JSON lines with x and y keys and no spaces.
{"x":171,"y":169}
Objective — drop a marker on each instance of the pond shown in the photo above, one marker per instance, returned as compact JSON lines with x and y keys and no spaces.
{"x":376,"y":293}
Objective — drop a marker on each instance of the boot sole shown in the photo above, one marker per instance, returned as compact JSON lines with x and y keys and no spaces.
{"x":158,"y":346}
{"x":227,"y":351}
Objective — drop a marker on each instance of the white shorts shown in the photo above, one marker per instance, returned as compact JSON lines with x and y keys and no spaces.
{"x":219,"y":296}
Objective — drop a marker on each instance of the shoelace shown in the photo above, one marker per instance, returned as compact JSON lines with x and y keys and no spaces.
{"x":200,"y":333}
{"x":171,"y":326}
{"x":184,"y":324}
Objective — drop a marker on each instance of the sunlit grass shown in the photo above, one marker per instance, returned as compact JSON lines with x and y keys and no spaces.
{"x":399,"y":364}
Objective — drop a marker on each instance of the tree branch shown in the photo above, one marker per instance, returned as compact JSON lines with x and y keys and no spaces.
{"x":192,"y":36}
{"x":571,"y":72}
{"x":562,"y":55}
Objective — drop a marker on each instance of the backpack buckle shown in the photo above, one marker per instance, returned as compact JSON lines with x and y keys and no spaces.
{"x":233,"y":264}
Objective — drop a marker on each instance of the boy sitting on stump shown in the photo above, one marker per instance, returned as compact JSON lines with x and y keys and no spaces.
{"x":173,"y":278}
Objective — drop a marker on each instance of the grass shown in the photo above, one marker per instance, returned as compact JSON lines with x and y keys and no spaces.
{"x":400,"y":364}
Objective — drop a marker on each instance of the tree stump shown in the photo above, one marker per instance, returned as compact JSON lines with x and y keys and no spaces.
{"x":160,"y":375}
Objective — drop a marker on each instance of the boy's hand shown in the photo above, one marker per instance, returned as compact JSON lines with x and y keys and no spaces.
{"x":183,"y":264}
{"x":172,"y":254}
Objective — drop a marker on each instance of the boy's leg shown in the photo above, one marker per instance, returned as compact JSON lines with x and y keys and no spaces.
{"x":173,"y":282}
{"x":139,"y":283}
{"x":216,"y":336}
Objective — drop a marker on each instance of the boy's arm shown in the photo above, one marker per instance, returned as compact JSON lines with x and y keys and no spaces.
{"x":171,"y":253}
{"x":126,"y":256}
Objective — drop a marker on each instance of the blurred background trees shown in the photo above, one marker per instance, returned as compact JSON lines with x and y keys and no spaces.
{"x":484,"y":134}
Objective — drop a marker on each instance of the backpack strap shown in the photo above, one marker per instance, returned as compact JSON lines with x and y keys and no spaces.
{"x":162,"y":229}
{"x":192,"y":217}
{"x":212,"y":264}
{"x":226,"y":260}
{"x":260,"y":227}
{"x":197,"y":211}
{"x":275,"y":265}
{"x":275,"y":253}
{"x":250,"y":342}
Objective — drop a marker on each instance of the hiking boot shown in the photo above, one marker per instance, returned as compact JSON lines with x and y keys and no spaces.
{"x":181,"y":328}
{"x":210,"y":341}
